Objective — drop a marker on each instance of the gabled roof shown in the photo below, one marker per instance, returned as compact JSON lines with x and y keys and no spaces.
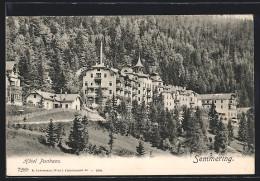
{"x":217,"y":96}
{"x":66,"y":97}
{"x":56,"y":97}
{"x":45,"y":95}
{"x":242,"y":109}
{"x":10,"y":65}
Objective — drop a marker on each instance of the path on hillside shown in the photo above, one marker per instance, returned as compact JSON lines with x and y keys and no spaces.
{"x":92,"y":115}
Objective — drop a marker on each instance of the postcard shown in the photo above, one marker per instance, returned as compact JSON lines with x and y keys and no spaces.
{"x":130,"y":95}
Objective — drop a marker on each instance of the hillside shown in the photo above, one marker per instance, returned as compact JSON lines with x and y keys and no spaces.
{"x":24,"y":142}
{"x":207,"y":54}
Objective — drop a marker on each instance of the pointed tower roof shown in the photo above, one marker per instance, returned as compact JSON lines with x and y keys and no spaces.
{"x":139,"y":64}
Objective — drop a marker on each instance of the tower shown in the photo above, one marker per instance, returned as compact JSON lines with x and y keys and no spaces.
{"x":138,"y":68}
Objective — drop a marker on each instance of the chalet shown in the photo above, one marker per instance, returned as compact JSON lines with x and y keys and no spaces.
{"x":49,"y":100}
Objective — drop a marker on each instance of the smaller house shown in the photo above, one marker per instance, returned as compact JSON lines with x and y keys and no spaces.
{"x":13,"y":88}
{"x":49,"y":100}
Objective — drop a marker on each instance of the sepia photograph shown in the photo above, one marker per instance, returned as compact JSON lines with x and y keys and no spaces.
{"x":130,"y":95}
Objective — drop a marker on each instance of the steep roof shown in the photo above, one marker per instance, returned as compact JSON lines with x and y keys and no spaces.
{"x":217,"y":96}
{"x":242,"y":109}
{"x":139,"y":64}
{"x":45,"y":95}
{"x":56,"y":97}
{"x":66,"y":97}
{"x":10,"y":65}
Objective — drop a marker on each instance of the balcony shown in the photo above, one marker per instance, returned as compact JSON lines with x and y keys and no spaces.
{"x":149,"y":96}
{"x":134,"y":87}
{"x":118,"y":79}
{"x":118,"y":87}
{"x":148,"y":89}
{"x":97,"y":78}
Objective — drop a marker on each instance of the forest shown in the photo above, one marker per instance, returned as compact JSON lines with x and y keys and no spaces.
{"x":207,"y":54}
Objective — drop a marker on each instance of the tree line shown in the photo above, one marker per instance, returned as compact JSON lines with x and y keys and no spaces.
{"x":207,"y":54}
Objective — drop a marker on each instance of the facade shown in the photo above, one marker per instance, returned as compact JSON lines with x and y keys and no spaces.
{"x":13,"y":88}
{"x":131,"y":83}
{"x":49,"y":100}
{"x":225,"y":105}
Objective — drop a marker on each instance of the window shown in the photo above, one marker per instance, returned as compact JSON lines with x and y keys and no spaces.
{"x":110,"y":91}
{"x":91,"y":84}
{"x":231,"y":114}
{"x":98,"y":75}
{"x":91,"y":75}
{"x":138,"y":98}
{"x":34,"y":95}
{"x":86,"y":83}
{"x":98,"y":69}
{"x":221,"y":101}
{"x":86,"y":91}
{"x":215,"y":101}
{"x":110,"y":83}
{"x":221,"y":107}
{"x":139,"y":85}
{"x":105,"y":75}
{"x":138,"y":91}
{"x":66,"y":106}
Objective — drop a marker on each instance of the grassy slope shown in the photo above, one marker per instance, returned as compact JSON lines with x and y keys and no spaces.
{"x":63,"y":115}
{"x":13,"y":110}
{"x":25,"y":142}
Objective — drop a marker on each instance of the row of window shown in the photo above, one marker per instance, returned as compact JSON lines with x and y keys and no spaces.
{"x":210,"y":101}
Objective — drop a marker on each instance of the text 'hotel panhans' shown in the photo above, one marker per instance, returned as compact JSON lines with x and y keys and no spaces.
{"x":133,"y":84}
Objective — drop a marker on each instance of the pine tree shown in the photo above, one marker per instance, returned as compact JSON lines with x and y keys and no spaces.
{"x":251,"y":131}
{"x":51,"y":136}
{"x":140,"y":149}
{"x":76,"y":140}
{"x":111,"y":140}
{"x":85,"y":130}
{"x":213,"y":118}
{"x":221,"y":139}
{"x":230,"y":130}
{"x":155,"y":138}
{"x":58,"y":132}
{"x":242,"y":128}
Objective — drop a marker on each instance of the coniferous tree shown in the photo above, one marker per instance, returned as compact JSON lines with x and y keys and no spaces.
{"x":111,"y":140}
{"x":155,"y":137}
{"x":58,"y":132}
{"x":51,"y":136}
{"x":140,"y":149}
{"x":242,"y":128}
{"x":85,"y":130}
{"x":230,"y":130}
{"x":76,"y":140}
{"x":213,"y":118}
{"x":221,"y":138}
